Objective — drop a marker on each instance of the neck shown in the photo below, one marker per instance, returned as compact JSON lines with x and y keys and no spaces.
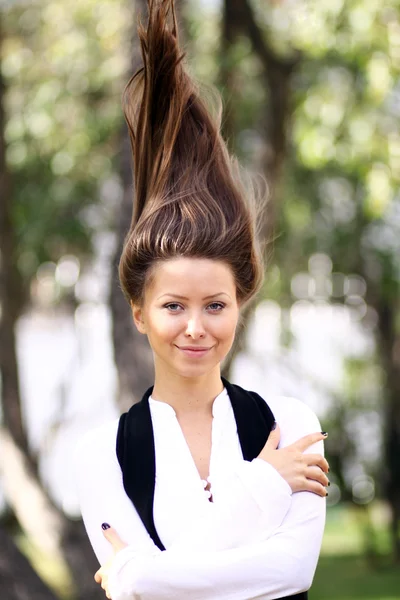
{"x":188,"y":395}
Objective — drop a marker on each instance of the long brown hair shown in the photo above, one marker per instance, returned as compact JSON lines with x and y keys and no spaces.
{"x":189,"y":197}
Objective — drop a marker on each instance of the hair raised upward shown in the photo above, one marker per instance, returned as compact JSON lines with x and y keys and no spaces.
{"x":189,"y":197}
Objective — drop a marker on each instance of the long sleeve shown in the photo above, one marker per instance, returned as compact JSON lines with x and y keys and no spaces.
{"x":248,"y":496}
{"x":251,"y":493}
{"x":282,"y":565}
{"x":101,"y":494}
{"x":252,"y":496}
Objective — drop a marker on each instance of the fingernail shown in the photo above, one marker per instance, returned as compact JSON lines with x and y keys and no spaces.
{"x":105,"y":526}
{"x":327,"y":494}
{"x":324,"y":433}
{"x":274,"y":425}
{"x":329,"y":483}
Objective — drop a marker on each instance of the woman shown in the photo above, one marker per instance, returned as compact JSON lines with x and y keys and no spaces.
{"x":202,"y":504}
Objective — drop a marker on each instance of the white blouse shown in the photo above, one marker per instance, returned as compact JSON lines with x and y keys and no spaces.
{"x":256,"y":540}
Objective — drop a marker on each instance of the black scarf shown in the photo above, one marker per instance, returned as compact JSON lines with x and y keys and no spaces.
{"x":136,"y":454}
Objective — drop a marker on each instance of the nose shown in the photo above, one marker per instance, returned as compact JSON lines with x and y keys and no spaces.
{"x":195,"y":327}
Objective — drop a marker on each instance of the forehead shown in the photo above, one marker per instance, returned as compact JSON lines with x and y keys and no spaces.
{"x":191,"y":276}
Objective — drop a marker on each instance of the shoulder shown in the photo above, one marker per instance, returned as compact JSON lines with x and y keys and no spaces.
{"x":96,"y":444}
{"x":295,"y":418}
{"x":291,"y":408}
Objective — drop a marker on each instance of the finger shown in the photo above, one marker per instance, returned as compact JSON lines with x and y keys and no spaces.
{"x":315,"y":487}
{"x":274,"y":437}
{"x":317,"y":459}
{"x":112,"y":536}
{"x":310,"y":439}
{"x":316,"y":474}
{"x":105,"y":588}
{"x":98,"y":576}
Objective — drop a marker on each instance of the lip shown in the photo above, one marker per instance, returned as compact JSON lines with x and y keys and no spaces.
{"x":194,"y":351}
{"x":194,"y":347}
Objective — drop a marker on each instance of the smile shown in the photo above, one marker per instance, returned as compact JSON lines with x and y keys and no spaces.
{"x":195,"y":353}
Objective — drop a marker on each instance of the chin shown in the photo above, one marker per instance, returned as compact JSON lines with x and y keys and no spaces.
{"x":193,"y":372}
{"x":190,"y":371}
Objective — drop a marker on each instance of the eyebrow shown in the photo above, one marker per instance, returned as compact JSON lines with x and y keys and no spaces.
{"x":184,"y":297}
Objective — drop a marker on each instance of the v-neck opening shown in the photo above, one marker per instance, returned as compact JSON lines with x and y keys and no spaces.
{"x":220,"y":404}
{"x":168,"y":408}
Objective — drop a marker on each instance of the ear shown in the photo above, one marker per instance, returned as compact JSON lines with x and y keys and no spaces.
{"x":138,"y":318}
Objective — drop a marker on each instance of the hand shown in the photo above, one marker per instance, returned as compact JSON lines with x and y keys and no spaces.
{"x":101,"y":576}
{"x":303,"y":472}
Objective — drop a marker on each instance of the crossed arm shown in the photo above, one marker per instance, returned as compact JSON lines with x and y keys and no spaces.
{"x":278,"y":558}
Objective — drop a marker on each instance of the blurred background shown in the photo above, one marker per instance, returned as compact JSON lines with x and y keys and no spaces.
{"x":311,"y":93}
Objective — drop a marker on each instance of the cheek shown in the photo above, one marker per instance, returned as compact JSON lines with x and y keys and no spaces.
{"x":165,"y":326}
{"x":226,"y":327}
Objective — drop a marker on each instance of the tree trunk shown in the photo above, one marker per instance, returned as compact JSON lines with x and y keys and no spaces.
{"x":227,"y":71}
{"x":18,"y":581}
{"x":277,"y":73}
{"x":133,"y":356}
{"x":132,"y":352}
{"x":10,"y":296}
{"x":390,"y":351}
{"x":43,"y":522}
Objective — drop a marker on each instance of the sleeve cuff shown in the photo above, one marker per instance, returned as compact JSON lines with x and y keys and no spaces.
{"x":122,"y":575}
{"x":263,"y":479}
{"x":270,"y":493}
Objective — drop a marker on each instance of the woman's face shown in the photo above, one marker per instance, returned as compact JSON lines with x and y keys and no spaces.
{"x":189,"y":302}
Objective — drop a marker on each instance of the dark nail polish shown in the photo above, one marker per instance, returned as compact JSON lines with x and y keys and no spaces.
{"x":105,"y":526}
{"x":274,"y":426}
{"x":329,"y":483}
{"x":327,"y":494}
{"x":324,"y":433}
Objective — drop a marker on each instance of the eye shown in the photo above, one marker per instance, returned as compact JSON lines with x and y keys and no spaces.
{"x":219,"y":306}
{"x":172,"y":304}
{"x":214,"y":306}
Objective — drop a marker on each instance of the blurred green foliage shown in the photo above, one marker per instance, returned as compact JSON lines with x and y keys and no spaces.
{"x":65,"y":67}
{"x":339,"y":191}
{"x":63,"y":64}
{"x":344,"y":571}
